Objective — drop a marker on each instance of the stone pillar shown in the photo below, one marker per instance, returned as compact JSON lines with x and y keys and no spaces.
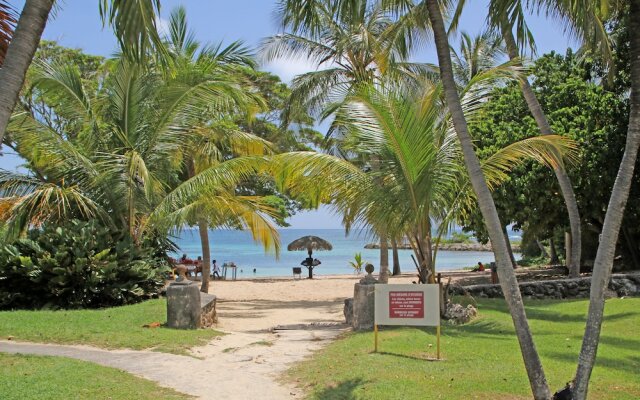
{"x":363,"y":302}
{"x":183,"y":305}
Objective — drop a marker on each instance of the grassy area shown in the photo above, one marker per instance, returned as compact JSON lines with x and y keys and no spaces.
{"x":35,"y":377}
{"x":119,"y":327}
{"x":482,"y":358}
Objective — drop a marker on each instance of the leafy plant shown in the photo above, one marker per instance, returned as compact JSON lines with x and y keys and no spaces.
{"x":77,"y":265}
{"x":357,"y":263}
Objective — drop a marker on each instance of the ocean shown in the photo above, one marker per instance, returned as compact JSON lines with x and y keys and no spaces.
{"x":239,"y":247}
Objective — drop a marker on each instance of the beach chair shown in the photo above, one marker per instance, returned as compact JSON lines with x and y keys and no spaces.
{"x":297,"y":271}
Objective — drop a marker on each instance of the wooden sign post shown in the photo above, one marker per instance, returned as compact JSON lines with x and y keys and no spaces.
{"x":408,"y":305}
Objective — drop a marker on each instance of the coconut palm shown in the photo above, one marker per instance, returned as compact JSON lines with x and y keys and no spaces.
{"x":504,"y":20}
{"x":126,"y":158}
{"x":210,"y":141}
{"x":420,"y":178}
{"x":586,"y":18}
{"x":7,"y":25}
{"x":133,"y":21}
{"x":353,"y":42}
{"x":432,"y":19}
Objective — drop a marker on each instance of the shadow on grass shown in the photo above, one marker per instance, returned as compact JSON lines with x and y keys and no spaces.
{"x":342,"y":391}
{"x":427,"y":357}
{"x":623,"y":365}
{"x":478,"y":329}
{"x":628,"y":344}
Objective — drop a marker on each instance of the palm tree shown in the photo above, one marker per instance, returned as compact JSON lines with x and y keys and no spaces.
{"x":351,"y":42}
{"x":504,"y":20}
{"x":7,"y":25}
{"x":133,"y":21}
{"x":219,"y":69}
{"x":420,"y":178}
{"x":354,"y":42}
{"x":507,"y":277}
{"x":586,"y":18}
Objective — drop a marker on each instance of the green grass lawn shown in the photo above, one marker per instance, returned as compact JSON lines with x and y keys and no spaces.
{"x":35,"y":377}
{"x":118,"y":327}
{"x":482,"y":358}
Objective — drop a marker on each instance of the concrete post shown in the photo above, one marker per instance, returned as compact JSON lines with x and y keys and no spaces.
{"x":183,"y":305}
{"x":363,"y":302}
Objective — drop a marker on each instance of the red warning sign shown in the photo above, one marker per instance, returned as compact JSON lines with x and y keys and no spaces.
{"x":406,"y":304}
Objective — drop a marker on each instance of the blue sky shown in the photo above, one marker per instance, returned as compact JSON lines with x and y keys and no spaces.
{"x":77,"y":24}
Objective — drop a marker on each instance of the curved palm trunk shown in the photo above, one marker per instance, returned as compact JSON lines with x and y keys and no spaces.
{"x":396,"y":258}
{"x":203,"y":227}
{"x":508,"y":280}
{"x":383,"y":276}
{"x":509,"y":248}
{"x":553,"y":254}
{"x":561,"y":174}
{"x":22,"y":48}
{"x":613,"y":218}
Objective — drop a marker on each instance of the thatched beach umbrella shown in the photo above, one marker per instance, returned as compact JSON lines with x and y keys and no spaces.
{"x":309,"y":243}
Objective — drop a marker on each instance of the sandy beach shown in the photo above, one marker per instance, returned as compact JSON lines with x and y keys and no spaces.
{"x":255,"y":305}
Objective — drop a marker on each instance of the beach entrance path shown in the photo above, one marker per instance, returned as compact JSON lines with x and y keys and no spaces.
{"x":270,"y":324}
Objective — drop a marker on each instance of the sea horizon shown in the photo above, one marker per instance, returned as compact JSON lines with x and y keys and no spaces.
{"x":236,"y":246}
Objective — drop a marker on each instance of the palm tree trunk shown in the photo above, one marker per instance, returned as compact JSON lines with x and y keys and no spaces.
{"x":383,"y":276}
{"x":613,"y":218}
{"x":22,"y":48}
{"x":509,"y":249}
{"x":561,"y":174}
{"x":203,"y":227}
{"x":396,"y":258}
{"x":553,"y":254}
{"x":543,"y":251}
{"x":506,"y":274}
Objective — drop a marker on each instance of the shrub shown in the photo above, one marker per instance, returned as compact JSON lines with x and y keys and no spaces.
{"x":78,"y":265}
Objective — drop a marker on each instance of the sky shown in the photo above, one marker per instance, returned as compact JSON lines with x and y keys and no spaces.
{"x":77,"y":24}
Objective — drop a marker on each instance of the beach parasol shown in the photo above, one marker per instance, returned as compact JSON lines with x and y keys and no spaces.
{"x":309,"y":243}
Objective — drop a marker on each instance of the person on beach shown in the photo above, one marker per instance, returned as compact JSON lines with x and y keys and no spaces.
{"x":216,"y":269}
{"x":479,"y":268}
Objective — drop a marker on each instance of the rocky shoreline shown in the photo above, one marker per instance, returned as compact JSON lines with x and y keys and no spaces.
{"x":450,"y":247}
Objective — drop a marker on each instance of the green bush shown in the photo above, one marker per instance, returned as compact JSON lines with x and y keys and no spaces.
{"x":78,"y":265}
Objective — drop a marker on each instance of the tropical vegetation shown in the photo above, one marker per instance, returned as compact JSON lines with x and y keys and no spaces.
{"x":121,"y":153}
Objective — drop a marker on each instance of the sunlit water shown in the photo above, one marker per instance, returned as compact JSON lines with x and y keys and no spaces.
{"x":239,"y":247}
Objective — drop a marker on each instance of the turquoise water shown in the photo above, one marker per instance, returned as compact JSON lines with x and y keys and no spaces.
{"x":239,"y":247}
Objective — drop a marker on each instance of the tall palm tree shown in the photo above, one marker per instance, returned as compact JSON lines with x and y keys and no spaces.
{"x":7,"y":25}
{"x":354,"y":43}
{"x":19,"y":54}
{"x":504,"y":20}
{"x":421,"y":177}
{"x":133,"y":21}
{"x":506,"y":274}
{"x":586,"y":18}
{"x":215,"y":67}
